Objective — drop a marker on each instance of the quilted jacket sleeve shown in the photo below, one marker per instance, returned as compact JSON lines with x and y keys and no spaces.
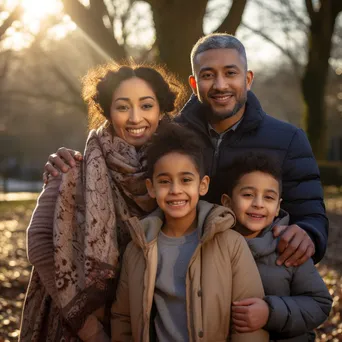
{"x":121,"y":318}
{"x":307,"y":307}
{"x":246,"y":284}
{"x":303,"y":193}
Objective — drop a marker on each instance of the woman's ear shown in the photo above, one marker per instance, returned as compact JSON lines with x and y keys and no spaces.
{"x":150,"y":188}
{"x":204,"y":185}
{"x":226,"y":201}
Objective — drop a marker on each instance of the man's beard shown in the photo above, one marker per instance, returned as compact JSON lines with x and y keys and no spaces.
{"x":215,"y":117}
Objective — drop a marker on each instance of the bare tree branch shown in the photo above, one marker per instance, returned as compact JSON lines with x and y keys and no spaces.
{"x":310,"y":9}
{"x":233,"y":19}
{"x":8,"y":22}
{"x":88,"y":22}
{"x":286,"y":52}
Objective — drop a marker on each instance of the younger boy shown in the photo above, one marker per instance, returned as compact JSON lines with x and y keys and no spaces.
{"x":184,"y":266}
{"x":297,"y":300}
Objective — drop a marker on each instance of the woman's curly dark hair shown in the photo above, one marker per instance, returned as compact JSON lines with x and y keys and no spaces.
{"x":101,"y":82}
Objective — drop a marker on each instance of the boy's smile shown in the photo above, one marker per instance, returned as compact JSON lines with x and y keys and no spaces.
{"x":177,"y":186}
{"x":255,"y":201}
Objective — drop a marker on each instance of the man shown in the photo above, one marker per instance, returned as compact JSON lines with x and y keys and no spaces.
{"x":230,"y":120}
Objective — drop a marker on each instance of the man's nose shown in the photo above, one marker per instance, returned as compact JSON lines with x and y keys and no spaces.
{"x":220,"y":83}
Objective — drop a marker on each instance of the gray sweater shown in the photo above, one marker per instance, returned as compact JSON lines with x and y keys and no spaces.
{"x":297,"y":297}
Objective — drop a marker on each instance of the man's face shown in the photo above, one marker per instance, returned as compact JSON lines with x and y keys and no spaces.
{"x":221,"y":82}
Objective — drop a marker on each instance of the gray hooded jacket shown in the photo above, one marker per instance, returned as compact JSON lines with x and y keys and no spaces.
{"x":297,"y":297}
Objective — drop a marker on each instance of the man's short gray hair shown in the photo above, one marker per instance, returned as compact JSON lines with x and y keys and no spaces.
{"x":217,"y":41}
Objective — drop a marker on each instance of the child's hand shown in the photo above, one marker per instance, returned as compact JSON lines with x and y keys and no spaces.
{"x":249,"y":314}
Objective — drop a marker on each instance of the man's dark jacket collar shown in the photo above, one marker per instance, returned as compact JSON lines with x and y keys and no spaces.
{"x":193,"y":114}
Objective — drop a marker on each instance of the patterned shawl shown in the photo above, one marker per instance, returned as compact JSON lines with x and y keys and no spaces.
{"x":95,"y":199}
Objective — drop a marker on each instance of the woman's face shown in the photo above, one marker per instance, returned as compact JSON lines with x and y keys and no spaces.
{"x":135,"y":111}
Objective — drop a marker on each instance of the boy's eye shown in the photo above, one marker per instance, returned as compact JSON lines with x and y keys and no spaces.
{"x":247,"y":195}
{"x":187,"y":180}
{"x":269,"y":198}
{"x":163,"y":181}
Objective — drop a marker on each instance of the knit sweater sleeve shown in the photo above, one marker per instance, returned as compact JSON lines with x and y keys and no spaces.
{"x":40,"y":254}
{"x":40,"y":238}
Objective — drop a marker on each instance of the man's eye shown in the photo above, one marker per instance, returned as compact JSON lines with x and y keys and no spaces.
{"x":207,"y":75}
{"x":231,"y":73}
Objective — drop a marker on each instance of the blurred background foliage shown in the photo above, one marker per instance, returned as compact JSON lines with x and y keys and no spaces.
{"x":46,"y":46}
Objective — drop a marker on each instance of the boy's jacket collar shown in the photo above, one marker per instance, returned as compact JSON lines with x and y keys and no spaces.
{"x":212,"y":219}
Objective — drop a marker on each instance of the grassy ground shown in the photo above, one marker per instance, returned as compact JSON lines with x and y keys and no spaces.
{"x":15,"y":269}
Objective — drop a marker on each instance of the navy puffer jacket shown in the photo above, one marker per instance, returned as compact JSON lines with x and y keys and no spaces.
{"x":302,"y":191}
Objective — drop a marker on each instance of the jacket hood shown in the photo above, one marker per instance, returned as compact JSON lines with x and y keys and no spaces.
{"x":193,"y":113}
{"x":265,"y":243}
{"x":212,"y":219}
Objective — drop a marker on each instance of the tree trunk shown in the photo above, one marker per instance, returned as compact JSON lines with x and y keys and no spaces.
{"x":316,"y":72}
{"x":178,"y":25}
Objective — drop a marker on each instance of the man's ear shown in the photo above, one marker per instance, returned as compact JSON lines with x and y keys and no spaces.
{"x":150,"y":188}
{"x":204,"y":185}
{"x":193,"y":84}
{"x":249,"y":79}
{"x":226,"y":201}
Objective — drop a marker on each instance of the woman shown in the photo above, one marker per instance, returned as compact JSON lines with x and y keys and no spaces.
{"x":82,"y":215}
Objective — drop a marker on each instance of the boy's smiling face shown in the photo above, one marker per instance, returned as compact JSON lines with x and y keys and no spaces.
{"x":255,"y":201}
{"x":177,"y":186}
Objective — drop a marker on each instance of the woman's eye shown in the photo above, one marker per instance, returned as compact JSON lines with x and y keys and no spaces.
{"x":187,"y":180}
{"x":122,"y":108}
{"x":147,"y":106}
{"x":163,"y":181}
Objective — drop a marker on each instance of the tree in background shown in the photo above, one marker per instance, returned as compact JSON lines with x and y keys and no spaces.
{"x":304,"y":32}
{"x":178,"y":25}
{"x":322,"y":24}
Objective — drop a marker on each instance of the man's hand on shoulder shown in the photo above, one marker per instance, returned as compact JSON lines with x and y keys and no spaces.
{"x":61,"y":161}
{"x":295,"y":245}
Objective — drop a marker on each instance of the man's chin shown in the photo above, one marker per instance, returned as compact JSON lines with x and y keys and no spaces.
{"x":217,"y":116}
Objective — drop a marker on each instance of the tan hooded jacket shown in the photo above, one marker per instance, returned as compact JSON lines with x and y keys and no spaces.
{"x":221,"y":270}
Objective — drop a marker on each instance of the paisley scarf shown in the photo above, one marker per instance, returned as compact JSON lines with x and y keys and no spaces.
{"x":95,"y":200}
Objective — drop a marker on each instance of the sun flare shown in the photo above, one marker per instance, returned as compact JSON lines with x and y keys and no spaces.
{"x":35,"y":13}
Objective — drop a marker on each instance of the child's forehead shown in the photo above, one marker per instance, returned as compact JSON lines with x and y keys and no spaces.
{"x":175,"y":162}
{"x":258,"y":179}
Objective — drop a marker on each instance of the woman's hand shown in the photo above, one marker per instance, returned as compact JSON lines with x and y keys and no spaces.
{"x":249,"y":314}
{"x":61,"y":161}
